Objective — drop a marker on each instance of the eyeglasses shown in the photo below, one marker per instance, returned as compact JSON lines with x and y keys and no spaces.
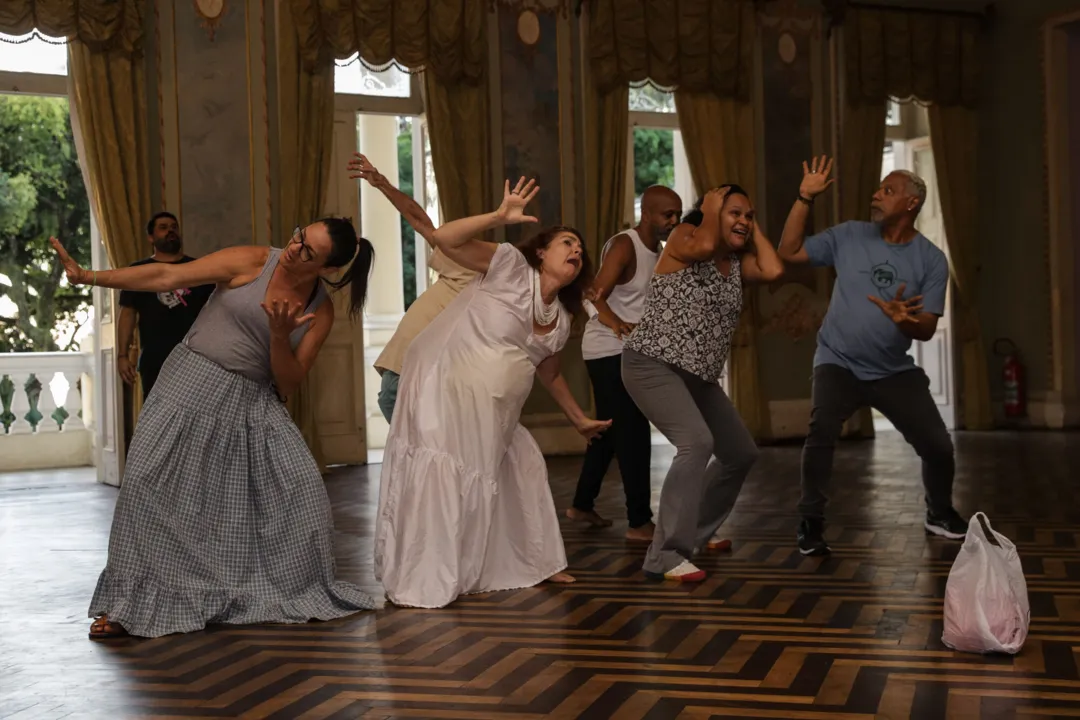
{"x":306,"y":253}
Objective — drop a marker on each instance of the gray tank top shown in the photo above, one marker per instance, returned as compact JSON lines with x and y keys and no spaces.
{"x":234,"y":331}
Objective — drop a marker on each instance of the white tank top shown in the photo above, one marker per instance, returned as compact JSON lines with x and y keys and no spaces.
{"x":627,"y":301}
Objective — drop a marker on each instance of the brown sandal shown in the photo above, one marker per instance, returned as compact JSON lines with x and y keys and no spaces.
{"x":102,"y":629}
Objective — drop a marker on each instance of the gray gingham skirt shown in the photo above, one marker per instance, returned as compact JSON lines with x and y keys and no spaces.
{"x":222,"y":515}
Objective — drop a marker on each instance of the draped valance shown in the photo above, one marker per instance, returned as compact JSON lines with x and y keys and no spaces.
{"x":907,"y":53}
{"x":99,"y":24}
{"x":692,"y":45}
{"x":447,"y":37}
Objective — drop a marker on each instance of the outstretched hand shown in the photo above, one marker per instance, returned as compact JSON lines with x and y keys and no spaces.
{"x":816,"y":178}
{"x":285,"y":317}
{"x":899,"y":310}
{"x":75,"y":274}
{"x":512,"y":210}
{"x":361,"y":167}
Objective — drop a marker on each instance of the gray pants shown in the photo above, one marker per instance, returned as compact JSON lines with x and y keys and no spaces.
{"x":714,"y":454}
{"x":388,"y":393}
{"x":905,"y":400}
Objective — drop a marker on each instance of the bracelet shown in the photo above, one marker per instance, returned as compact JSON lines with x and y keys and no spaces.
{"x":809,"y":202}
{"x":93,"y":280}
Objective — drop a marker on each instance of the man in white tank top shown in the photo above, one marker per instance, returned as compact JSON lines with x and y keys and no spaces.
{"x":618,"y":296}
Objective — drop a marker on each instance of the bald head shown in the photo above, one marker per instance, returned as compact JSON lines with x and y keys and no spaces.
{"x":661,"y":208}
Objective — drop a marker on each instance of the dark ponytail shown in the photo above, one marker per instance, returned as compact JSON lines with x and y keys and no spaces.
{"x":345,"y":245}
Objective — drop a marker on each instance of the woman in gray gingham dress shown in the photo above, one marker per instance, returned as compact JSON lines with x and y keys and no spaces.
{"x":222,"y":515}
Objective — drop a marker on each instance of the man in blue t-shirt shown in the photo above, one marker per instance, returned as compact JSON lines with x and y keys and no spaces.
{"x":890,"y":289}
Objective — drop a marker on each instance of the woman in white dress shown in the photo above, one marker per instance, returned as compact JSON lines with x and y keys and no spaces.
{"x":464,"y":503}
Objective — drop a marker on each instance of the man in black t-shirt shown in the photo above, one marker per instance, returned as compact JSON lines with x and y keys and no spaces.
{"x":163,"y":318}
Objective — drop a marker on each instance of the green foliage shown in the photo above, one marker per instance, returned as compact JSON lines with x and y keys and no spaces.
{"x":654,"y":159}
{"x":408,"y":235}
{"x":41,"y":194}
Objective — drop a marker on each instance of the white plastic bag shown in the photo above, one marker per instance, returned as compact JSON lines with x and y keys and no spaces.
{"x":986,"y":600}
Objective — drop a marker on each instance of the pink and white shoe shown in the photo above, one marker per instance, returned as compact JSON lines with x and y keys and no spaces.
{"x":686,"y":571}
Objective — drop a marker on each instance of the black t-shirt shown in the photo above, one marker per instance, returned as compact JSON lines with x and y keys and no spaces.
{"x":164,"y":318}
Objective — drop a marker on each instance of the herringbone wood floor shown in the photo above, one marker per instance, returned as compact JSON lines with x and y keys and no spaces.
{"x":769,"y":634}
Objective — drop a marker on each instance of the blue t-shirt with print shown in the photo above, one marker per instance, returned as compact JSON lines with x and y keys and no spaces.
{"x":856,"y":333}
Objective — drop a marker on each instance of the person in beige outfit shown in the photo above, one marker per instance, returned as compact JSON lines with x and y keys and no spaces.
{"x":452,"y":279}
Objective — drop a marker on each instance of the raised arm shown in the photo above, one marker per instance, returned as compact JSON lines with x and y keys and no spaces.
{"x":361,"y":167}
{"x":457,"y":238}
{"x":550,"y":373}
{"x":815,"y":181}
{"x":218,"y":267}
{"x":612,"y":267}
{"x":689,"y":244}
{"x":764,"y":265}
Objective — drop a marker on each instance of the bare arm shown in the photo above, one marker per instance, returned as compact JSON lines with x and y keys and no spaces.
{"x":125,"y":331}
{"x":815,"y":181}
{"x":361,"y":167}
{"x":687,"y":243}
{"x":457,"y":238}
{"x":618,"y":258}
{"x":764,"y":265}
{"x":288,"y":367}
{"x":550,"y":373}
{"x":218,"y":267}
{"x":794,"y":235}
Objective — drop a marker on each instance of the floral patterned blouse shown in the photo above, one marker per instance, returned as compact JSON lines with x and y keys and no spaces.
{"x":690,"y":316}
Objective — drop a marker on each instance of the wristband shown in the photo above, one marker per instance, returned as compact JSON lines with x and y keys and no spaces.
{"x":590,"y":309}
{"x":809,"y":202}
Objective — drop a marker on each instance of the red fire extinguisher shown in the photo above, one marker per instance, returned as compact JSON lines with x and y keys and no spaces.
{"x":1012,"y":377}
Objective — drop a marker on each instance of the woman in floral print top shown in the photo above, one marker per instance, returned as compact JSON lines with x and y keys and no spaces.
{"x":672,"y":363}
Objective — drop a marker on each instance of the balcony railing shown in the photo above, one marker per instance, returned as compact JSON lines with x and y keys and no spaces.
{"x":46,"y":409}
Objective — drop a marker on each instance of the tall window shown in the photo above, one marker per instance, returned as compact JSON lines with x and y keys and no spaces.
{"x":656,"y":152}
{"x":41,"y":194}
{"x":375,"y":96}
{"x":908,"y":147}
{"x":381,"y":114}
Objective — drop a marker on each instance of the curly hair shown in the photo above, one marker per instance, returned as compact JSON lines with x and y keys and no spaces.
{"x":573,"y":294}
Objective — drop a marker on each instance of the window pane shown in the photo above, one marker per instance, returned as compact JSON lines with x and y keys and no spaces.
{"x":892,"y":118}
{"x":352,"y":77}
{"x":648,"y":99}
{"x":654,"y":161}
{"x":32,"y":54}
{"x":888,"y":160}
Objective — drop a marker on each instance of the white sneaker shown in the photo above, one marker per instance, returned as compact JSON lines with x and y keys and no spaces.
{"x":685,"y":571}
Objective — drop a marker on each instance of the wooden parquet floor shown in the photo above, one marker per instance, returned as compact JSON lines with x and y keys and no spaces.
{"x":770,"y":634}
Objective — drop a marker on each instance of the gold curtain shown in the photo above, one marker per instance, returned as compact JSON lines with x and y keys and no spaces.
{"x":696,"y":45}
{"x":306,"y":122}
{"x":906,"y":53}
{"x":457,"y":122}
{"x":954,"y":135}
{"x":98,"y":24}
{"x":718,"y":133}
{"x":607,"y":118}
{"x":447,"y":37}
{"x":861,"y":147}
{"x":933,"y":57}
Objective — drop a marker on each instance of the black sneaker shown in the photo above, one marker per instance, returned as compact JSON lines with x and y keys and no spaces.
{"x":947,"y":524}
{"x":812,"y":537}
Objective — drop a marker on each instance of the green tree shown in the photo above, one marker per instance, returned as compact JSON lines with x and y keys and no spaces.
{"x":408,"y":235}
{"x":41,"y":194}
{"x":654,"y":159}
